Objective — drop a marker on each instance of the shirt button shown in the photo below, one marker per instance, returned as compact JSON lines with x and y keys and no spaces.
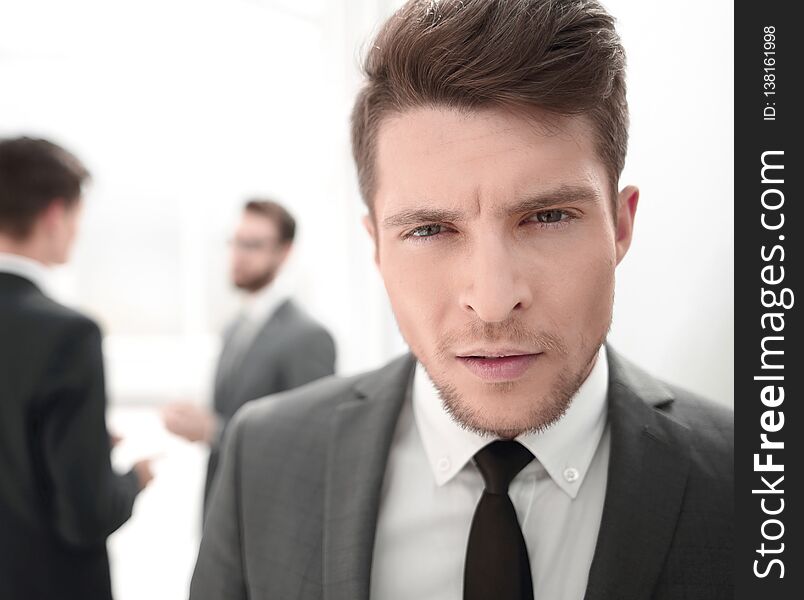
{"x":443,"y":464}
{"x":571,"y":475}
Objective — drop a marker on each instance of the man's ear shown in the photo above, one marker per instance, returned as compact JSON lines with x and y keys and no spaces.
{"x":627,"y":201}
{"x":52,"y":216}
{"x":286,"y":251}
{"x":371,"y":228}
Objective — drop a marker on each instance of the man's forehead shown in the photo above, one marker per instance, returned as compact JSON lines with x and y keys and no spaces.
{"x":253,"y":221}
{"x":481,"y":158}
{"x":436,"y":129}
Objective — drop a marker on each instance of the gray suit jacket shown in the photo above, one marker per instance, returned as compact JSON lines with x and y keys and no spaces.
{"x":290,"y":350}
{"x":295,"y":511}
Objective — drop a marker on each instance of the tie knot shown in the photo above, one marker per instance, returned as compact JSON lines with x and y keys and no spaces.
{"x":499,"y":463}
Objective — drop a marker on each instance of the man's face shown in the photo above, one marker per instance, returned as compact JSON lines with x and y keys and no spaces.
{"x":257,"y":253}
{"x":497,"y":242}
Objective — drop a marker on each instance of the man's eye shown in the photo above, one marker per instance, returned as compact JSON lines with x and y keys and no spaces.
{"x":426,"y":231}
{"x":551,"y":216}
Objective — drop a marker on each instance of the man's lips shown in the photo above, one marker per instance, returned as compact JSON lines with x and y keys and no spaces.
{"x":498,"y":366}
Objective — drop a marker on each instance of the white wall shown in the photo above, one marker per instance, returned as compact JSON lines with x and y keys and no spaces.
{"x":674,"y":308}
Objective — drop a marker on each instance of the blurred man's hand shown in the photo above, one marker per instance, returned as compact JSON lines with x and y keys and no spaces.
{"x":144,"y":472}
{"x":192,"y":422}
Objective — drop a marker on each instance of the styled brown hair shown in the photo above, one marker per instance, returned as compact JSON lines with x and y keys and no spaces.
{"x":278,"y":214}
{"x":561,"y":56}
{"x":34,"y":173}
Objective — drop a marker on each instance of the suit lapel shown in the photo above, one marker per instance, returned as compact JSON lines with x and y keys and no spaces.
{"x":221,"y":369}
{"x":359,"y":448}
{"x":648,"y":469}
{"x":233,"y":371}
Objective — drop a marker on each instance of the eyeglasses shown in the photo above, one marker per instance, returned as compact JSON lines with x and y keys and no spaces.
{"x":254,"y":244}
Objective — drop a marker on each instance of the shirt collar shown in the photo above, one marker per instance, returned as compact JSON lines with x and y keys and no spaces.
{"x":565,"y":450}
{"x":22,"y":266}
{"x":261,"y":305}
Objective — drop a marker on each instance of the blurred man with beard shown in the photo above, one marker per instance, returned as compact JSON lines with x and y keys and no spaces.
{"x":271,"y":346}
{"x":512,"y":455}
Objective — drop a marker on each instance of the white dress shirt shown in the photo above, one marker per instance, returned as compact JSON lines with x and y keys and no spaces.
{"x":32,"y":270}
{"x":432,"y":487}
{"x":257,"y":309}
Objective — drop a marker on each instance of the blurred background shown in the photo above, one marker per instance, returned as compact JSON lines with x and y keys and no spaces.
{"x":184,"y":109}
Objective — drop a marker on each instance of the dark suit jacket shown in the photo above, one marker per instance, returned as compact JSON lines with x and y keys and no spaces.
{"x":290,"y":350}
{"x":59,"y":498}
{"x":295,"y":509}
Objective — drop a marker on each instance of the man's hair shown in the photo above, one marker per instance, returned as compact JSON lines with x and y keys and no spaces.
{"x":284,"y":221}
{"x":560,"y":56}
{"x":34,"y":173}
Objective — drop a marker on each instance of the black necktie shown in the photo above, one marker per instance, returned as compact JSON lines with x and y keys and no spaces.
{"x":497,"y":565}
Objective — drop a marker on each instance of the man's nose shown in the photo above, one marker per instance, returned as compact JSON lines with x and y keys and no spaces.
{"x":494,"y":284}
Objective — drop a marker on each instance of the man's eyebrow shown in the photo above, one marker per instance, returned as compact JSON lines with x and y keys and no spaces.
{"x":417,"y":216}
{"x":566,"y":194}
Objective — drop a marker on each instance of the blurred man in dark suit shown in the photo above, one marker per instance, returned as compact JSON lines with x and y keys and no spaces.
{"x":59,"y":497}
{"x":271,"y":346}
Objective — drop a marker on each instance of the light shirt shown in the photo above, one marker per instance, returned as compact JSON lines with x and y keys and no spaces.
{"x":257,"y":309}
{"x":255,"y":312}
{"x":32,"y":270}
{"x":432,"y":487}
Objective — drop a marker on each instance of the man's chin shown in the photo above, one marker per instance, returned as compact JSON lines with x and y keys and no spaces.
{"x":507,"y":409}
{"x":505,"y":416}
{"x":251,"y":285}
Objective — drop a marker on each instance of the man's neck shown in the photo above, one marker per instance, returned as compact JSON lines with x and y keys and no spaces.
{"x":25,"y":248}
{"x":253,"y":299}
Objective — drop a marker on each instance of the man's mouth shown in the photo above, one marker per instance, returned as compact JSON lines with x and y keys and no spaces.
{"x":498,"y":365}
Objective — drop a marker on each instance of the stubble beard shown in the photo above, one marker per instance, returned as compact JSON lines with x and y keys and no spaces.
{"x":256,"y":282}
{"x":543,"y":412}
